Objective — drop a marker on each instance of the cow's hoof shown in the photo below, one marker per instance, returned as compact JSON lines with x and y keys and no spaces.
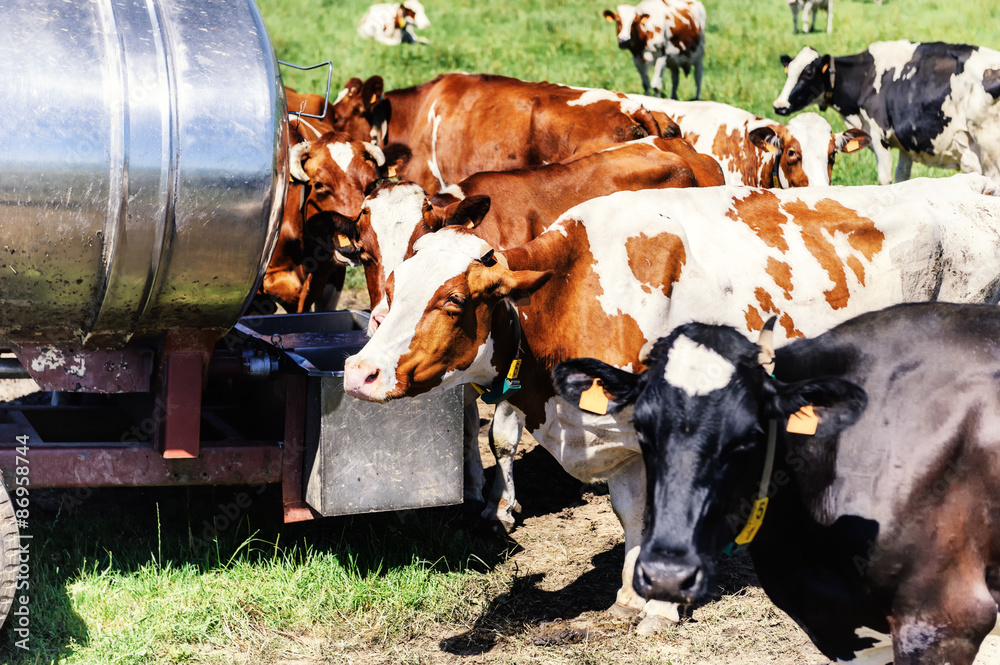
{"x":620,"y":611}
{"x":652,"y":625}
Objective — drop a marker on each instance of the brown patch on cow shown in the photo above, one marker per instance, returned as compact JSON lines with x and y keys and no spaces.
{"x":690,"y":136}
{"x":830,"y":218}
{"x":764,"y":298}
{"x":791,"y":332}
{"x":743,"y":155}
{"x":685,"y":34}
{"x":791,"y":159}
{"x":781,"y":273}
{"x":656,"y":260}
{"x":754,"y":320}
{"x":761,"y":212}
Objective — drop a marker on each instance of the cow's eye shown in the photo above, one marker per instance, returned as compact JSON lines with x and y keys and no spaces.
{"x":454,"y":304}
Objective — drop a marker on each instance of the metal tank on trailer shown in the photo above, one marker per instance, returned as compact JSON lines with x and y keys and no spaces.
{"x":143,"y":170}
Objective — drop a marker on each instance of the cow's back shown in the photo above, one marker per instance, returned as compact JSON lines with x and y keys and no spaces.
{"x":813,"y":256}
{"x":460,"y":124}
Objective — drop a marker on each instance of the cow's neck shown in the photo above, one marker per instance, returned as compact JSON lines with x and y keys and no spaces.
{"x":849,"y":83}
{"x":406,"y":105}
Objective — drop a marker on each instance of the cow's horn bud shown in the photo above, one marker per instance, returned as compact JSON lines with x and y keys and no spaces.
{"x":376,"y":153}
{"x":766,"y":343}
{"x":296,"y":155}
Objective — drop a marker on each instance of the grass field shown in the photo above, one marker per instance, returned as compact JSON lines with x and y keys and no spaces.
{"x":126,"y":577}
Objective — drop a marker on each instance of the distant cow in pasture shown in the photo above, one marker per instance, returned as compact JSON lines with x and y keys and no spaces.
{"x":756,"y":151}
{"x":808,"y":9}
{"x":460,"y":124}
{"x":664,"y":34}
{"x":862,"y":475}
{"x":394,"y":23}
{"x":507,"y":209}
{"x":936,"y":103}
{"x":621,"y":270}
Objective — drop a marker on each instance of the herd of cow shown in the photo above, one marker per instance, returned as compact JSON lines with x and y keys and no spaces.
{"x":550,"y":247}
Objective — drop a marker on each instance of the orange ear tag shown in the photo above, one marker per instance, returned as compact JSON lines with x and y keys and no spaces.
{"x":392,"y":171}
{"x":852,"y":145}
{"x":770,"y":148}
{"x":594,"y":399}
{"x":803,"y":421}
{"x":342,"y":240}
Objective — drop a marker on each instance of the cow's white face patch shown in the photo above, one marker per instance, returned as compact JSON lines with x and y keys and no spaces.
{"x":696,"y":369}
{"x":394,"y":214}
{"x":342,"y":154}
{"x":814,"y":134}
{"x":340,"y":96}
{"x":795,"y":68}
{"x":626,"y":13}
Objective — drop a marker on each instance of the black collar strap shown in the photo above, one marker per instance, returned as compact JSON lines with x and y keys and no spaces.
{"x":776,"y":172}
{"x":828,"y":95}
{"x":752,"y":526}
{"x":504,"y":385}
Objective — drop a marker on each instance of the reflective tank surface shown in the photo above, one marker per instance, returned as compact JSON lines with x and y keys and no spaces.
{"x":142,"y":167}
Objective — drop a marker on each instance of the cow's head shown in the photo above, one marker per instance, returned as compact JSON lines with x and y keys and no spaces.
{"x":632,"y":27}
{"x":807,"y":82}
{"x":412,"y":13}
{"x":361,"y":111}
{"x":336,"y":173}
{"x":805,"y":149}
{"x":447,"y":324}
{"x":702,"y":409}
{"x":392,"y":219}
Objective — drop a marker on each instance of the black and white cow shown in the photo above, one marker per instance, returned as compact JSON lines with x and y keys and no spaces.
{"x":880,"y":534}
{"x":936,"y":103}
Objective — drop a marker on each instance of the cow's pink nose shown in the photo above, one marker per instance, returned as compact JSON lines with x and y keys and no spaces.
{"x":360,"y":379}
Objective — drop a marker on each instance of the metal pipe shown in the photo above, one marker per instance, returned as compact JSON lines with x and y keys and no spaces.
{"x":11,"y":369}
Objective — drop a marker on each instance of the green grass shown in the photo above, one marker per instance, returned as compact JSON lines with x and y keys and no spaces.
{"x":116,"y":582}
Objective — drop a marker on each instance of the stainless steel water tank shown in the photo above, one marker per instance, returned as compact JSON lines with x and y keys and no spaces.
{"x":142,"y":167}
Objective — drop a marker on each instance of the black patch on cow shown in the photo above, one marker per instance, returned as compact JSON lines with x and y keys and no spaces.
{"x":853,"y":79}
{"x":911,"y":102}
{"x":991,"y":82}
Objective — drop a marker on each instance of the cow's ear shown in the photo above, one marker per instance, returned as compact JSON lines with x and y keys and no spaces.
{"x":852,"y":140}
{"x":351,"y":88}
{"x":520,"y":284}
{"x":470,"y":211}
{"x":785,"y":60}
{"x":836,"y":403}
{"x":610,"y":16}
{"x":765,"y":139}
{"x":586,"y":383}
{"x":371,"y":92}
{"x":397,"y":156}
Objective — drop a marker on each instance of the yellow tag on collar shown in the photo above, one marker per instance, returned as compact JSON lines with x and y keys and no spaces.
{"x":515,"y":367}
{"x":753,"y":524}
{"x":803,"y":421}
{"x":479,"y":389}
{"x":594,"y":399}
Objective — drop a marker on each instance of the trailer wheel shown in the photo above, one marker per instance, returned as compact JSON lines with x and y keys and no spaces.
{"x":10,"y":541}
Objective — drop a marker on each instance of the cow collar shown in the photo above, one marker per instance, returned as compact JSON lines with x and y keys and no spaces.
{"x":502,"y":387}
{"x":776,"y":172}
{"x":828,"y":95}
{"x":742,"y":540}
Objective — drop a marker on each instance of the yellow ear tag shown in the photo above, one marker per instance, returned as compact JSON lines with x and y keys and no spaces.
{"x":852,"y":145}
{"x":375,"y":97}
{"x":594,"y":399}
{"x":342,"y":240}
{"x":825,"y":67}
{"x":786,"y":69}
{"x":770,"y":148}
{"x":392,"y":171}
{"x":753,"y":524}
{"x":803,"y":421}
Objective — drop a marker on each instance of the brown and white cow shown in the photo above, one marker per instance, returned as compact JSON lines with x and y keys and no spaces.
{"x":461,"y":124}
{"x":619,"y":271}
{"x":664,"y":34}
{"x":756,"y":151}
{"x":359,"y":109}
{"x":394,"y":23}
{"x":330,"y":175}
{"x":507,"y":209}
